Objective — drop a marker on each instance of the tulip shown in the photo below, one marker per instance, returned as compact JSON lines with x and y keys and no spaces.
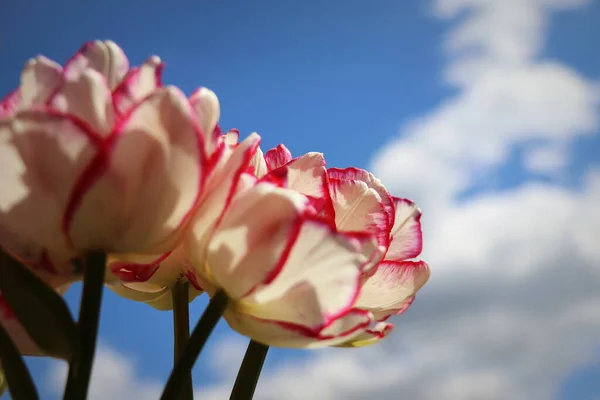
{"x":290,"y":277}
{"x":353,"y":200}
{"x":98,"y":156}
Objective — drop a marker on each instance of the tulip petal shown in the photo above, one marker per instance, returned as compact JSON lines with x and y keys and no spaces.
{"x":108,"y":59}
{"x":371,"y":336}
{"x":216,"y":197}
{"x":386,"y":291}
{"x":41,"y":157}
{"x":253,"y":236}
{"x":138,"y":84}
{"x":359,"y":208}
{"x":39,"y":79}
{"x":350,"y":174}
{"x":285,"y":334}
{"x":317,"y":280}
{"x":10,"y":103}
{"x":145,"y":183}
{"x":406,"y":236}
{"x":258,"y":162}
{"x":277,"y":157}
{"x":86,"y":97}
{"x":206,"y":107}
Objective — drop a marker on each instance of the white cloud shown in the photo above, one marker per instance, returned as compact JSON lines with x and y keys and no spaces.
{"x":513,"y":302}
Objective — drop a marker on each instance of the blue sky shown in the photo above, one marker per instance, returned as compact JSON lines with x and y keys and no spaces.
{"x":347,"y":78}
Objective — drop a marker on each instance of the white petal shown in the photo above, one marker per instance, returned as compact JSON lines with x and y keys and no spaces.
{"x":41,"y":158}
{"x":359,"y":208}
{"x":371,"y":336}
{"x":406,"y":237}
{"x":86,"y":97}
{"x":216,"y":196}
{"x":252,"y":237}
{"x":316,"y":281}
{"x":387,"y":290}
{"x":206,"y":107}
{"x":108,"y":59}
{"x":258,"y":162}
{"x":284,"y":334}
{"x":138,"y":84}
{"x":307,"y":175}
{"x":141,"y":190}
{"x":39,"y":79}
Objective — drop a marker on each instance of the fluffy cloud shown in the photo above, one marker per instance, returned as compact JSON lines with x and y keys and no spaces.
{"x":513,"y":303}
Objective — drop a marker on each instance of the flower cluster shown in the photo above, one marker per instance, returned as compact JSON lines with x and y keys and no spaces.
{"x":99,"y":156}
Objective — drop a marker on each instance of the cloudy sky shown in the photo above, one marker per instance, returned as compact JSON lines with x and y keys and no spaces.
{"x":486,"y":112}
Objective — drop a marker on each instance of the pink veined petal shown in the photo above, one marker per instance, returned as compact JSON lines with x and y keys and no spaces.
{"x":406,"y":235}
{"x":317,"y":279}
{"x":307,"y":174}
{"x":277,"y":157}
{"x":108,"y":59}
{"x":386,"y":291}
{"x":216,"y":196}
{"x":371,"y":336}
{"x":136,"y":196}
{"x":39,"y":79}
{"x":41,"y":157}
{"x":371,"y":181}
{"x":206,"y":107}
{"x":359,"y":207}
{"x":10,"y":103}
{"x":85,"y":96}
{"x":285,"y":334}
{"x":252,"y":237}
{"x":138,"y":84}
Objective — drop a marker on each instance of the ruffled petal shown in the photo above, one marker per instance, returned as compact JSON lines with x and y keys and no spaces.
{"x":39,"y":79}
{"x":371,"y":336}
{"x":359,"y":207}
{"x":406,"y":236}
{"x":138,"y":84}
{"x":389,"y":288}
{"x":251,"y":239}
{"x":285,"y":334}
{"x":357,"y":174}
{"x":108,"y":59}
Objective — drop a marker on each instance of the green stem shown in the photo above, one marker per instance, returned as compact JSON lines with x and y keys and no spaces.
{"x":247,"y":378}
{"x":21,"y":386}
{"x":181,"y":327}
{"x":80,"y":368}
{"x":202,"y":331}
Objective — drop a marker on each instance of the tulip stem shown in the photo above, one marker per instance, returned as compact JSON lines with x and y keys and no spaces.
{"x":247,"y":378}
{"x":80,"y":366}
{"x":202,"y":331}
{"x":181,"y":327}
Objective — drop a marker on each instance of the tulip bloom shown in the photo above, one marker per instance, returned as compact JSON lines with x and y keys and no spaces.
{"x":354,"y":200}
{"x":97,"y":156}
{"x":291,"y":279}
